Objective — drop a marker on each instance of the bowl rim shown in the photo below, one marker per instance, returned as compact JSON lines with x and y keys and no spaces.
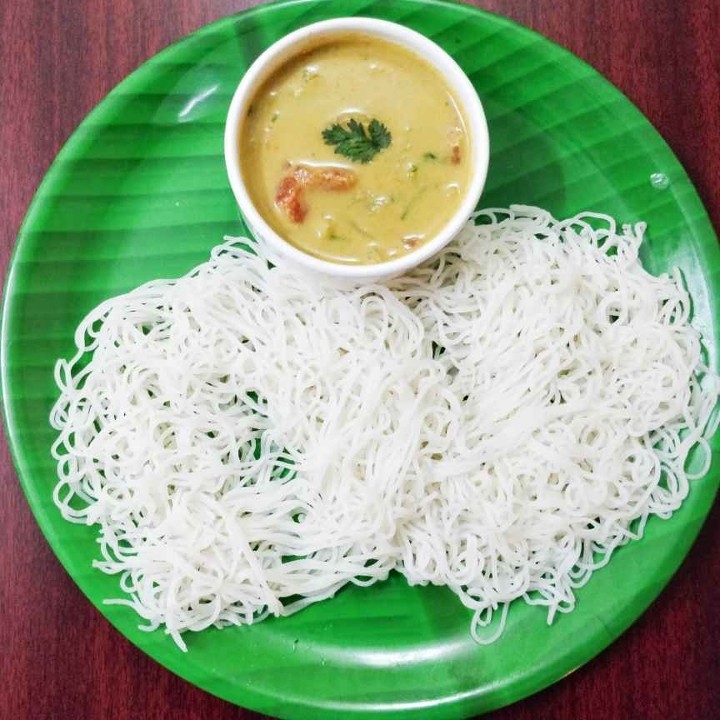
{"x":294,"y":42}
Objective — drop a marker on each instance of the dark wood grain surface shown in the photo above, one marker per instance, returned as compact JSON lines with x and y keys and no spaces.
{"x":59,"y":659}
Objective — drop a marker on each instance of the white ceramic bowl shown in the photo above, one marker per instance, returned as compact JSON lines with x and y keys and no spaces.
{"x":290,"y":45}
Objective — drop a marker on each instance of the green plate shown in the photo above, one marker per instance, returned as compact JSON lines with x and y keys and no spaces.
{"x":140,"y":192}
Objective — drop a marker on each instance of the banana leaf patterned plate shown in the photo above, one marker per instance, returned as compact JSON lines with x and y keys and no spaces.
{"x":140,"y":192}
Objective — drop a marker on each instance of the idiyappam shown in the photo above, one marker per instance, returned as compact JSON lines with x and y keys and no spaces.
{"x":248,"y":439}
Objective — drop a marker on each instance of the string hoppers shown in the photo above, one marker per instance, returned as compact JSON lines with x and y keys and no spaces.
{"x":249,"y":439}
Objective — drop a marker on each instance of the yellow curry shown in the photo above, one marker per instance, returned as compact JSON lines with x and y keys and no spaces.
{"x":355,"y":151}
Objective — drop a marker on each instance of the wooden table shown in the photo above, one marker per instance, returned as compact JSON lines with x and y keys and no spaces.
{"x":59,"y":658}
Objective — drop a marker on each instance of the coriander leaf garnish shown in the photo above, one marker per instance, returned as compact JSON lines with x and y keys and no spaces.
{"x":357,"y":143}
{"x":379,"y":135}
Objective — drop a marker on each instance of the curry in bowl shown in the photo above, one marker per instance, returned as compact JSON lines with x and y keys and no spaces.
{"x":355,"y":150}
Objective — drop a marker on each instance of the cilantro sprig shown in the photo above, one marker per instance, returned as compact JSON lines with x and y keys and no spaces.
{"x":356,"y":142}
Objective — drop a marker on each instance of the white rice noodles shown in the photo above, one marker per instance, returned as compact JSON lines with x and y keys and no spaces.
{"x":249,"y":439}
